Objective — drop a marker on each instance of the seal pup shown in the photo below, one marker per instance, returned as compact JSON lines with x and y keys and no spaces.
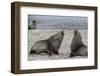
{"x":77,"y":46}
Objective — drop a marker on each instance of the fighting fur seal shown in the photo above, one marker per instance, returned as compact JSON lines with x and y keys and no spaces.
{"x":77,"y":46}
{"x":49,"y":46}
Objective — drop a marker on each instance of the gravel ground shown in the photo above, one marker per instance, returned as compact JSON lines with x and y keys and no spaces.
{"x":64,"y":50}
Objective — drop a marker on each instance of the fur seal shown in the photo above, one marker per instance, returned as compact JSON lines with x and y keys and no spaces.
{"x":55,"y":42}
{"x":77,"y":46}
{"x":49,"y":46}
{"x":33,"y":25}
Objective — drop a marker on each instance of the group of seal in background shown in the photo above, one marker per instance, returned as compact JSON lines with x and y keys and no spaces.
{"x":53,"y":43}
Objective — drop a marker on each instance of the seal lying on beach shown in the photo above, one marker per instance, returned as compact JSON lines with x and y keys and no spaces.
{"x":49,"y":46}
{"x":77,"y":46}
